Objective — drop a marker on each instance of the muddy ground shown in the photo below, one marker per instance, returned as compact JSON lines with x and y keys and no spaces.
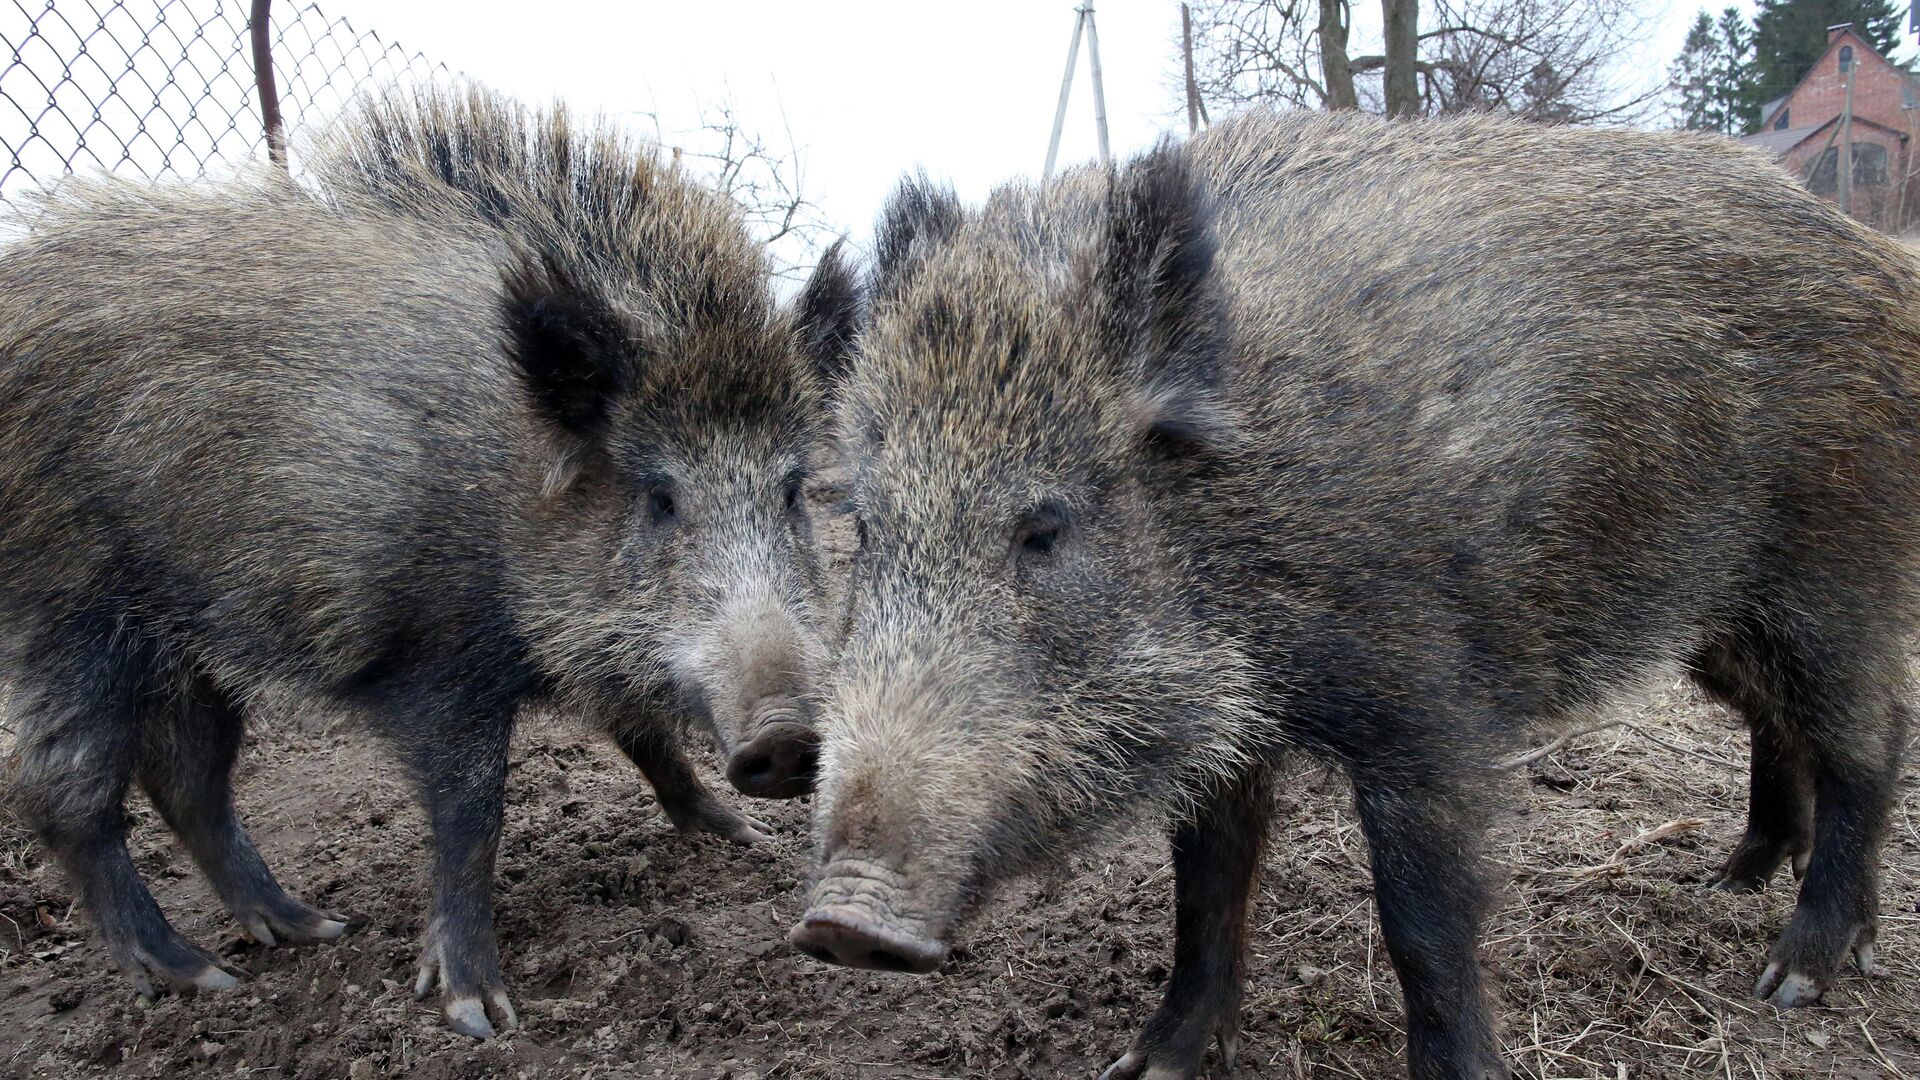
{"x":634,"y":951}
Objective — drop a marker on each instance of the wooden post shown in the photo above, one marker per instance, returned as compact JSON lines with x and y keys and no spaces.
{"x":261,"y":25}
{"x":1066,"y":89}
{"x":1845,"y":153}
{"x":1186,"y":53}
{"x":1099,"y":95}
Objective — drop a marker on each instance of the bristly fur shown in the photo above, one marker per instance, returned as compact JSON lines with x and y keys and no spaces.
{"x":1450,"y":428}
{"x":834,"y":307}
{"x":918,"y":217}
{"x":494,"y":407}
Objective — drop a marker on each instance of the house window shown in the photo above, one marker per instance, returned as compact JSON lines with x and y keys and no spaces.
{"x":1824,"y":179}
{"x":1869,"y":169}
{"x":1869,"y":165}
{"x":1780,"y":120}
{"x":1846,"y":58}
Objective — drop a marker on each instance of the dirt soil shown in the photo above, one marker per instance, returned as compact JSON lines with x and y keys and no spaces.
{"x":634,"y":951}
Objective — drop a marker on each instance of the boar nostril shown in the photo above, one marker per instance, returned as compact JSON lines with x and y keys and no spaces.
{"x":778,"y":762}
{"x":756,"y":768}
{"x":888,"y":960}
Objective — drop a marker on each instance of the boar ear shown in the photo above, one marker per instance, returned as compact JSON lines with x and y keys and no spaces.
{"x":568,"y":345}
{"x":1164,"y":310}
{"x":573,"y":358}
{"x":829,"y":313}
{"x":919,"y":217}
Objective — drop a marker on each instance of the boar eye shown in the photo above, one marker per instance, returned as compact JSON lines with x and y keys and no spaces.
{"x":1040,"y":533}
{"x":1039,"y":541}
{"x":660,"y":507}
{"x":791,"y":496}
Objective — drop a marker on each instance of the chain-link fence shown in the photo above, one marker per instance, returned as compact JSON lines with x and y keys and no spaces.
{"x":157,"y":88}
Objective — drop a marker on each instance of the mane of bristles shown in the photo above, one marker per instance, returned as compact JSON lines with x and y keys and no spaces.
{"x":592,"y":202}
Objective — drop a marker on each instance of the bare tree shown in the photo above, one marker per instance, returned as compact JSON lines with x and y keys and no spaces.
{"x":766,"y":177}
{"x":1267,"y":50}
{"x":1336,"y":22}
{"x":1401,"y":82}
{"x":1556,"y":60}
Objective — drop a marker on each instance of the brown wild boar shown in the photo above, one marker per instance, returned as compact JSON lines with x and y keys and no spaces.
{"x":1381,"y":443}
{"x":498,"y":409}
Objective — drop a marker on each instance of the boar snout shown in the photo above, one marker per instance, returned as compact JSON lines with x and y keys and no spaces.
{"x":777,"y":760}
{"x":854,"y":921}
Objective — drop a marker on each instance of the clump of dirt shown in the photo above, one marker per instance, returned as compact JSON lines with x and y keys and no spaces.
{"x":636,"y":952}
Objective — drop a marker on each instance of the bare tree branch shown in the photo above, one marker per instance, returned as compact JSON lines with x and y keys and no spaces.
{"x":766,"y":178}
{"x":1551,"y":60}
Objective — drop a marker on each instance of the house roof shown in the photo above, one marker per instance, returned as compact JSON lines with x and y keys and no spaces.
{"x":1778,"y":143}
{"x":1843,"y":33}
{"x":1766,"y":111}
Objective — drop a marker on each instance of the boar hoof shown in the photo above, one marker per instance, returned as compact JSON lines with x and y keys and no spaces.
{"x":1140,"y":1064}
{"x":474,"y":1006}
{"x":1789,"y":992}
{"x":282,"y":918}
{"x":733,"y":826}
{"x":741,"y":829}
{"x":709,"y":815}
{"x":1757,"y":860}
{"x":1135,"y":1066}
{"x":468,"y":1016}
{"x":1173,"y":1046}
{"x":173,"y":965}
{"x":1795,"y":979}
{"x":1727,"y":884}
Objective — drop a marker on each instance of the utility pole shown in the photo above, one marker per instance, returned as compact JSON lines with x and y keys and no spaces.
{"x":1100,"y":95}
{"x":1845,"y":152}
{"x":1082,"y":20}
{"x":1186,"y":54}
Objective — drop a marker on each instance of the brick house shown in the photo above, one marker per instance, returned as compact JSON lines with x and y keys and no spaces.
{"x":1801,"y":130}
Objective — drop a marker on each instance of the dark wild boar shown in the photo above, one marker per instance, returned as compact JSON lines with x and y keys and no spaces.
{"x":498,"y":409}
{"x":1381,"y":443}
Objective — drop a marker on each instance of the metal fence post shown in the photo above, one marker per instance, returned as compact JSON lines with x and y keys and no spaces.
{"x":173,"y":88}
{"x":262,"y":27}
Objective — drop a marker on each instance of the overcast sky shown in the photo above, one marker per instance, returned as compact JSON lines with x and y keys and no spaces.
{"x":869,"y":88}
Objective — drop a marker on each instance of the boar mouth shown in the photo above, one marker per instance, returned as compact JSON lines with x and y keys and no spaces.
{"x":856,"y":919}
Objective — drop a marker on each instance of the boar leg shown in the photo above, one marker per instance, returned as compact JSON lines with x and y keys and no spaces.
{"x":688,"y":803}
{"x":1216,"y":862}
{"x":1837,"y":914}
{"x":79,"y":746}
{"x":1824,"y":705}
{"x":191,"y":742}
{"x":1780,"y":780}
{"x":1839,"y":691}
{"x":459,"y":764}
{"x":1779,"y":813}
{"x":1424,"y":844}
